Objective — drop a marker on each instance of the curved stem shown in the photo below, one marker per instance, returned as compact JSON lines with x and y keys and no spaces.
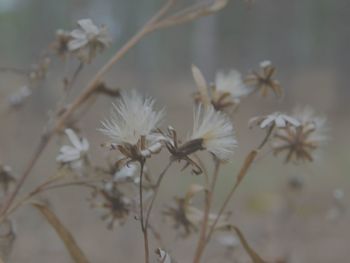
{"x":143,"y":226}
{"x":156,"y":191}
{"x":241,"y":174}
{"x":208,"y":201}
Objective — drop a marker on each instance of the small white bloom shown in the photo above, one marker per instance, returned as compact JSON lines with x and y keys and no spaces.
{"x":278,"y":119}
{"x":75,"y":152}
{"x":216,"y":130}
{"x":87,"y":39}
{"x":132,"y":117}
{"x":231,"y":83}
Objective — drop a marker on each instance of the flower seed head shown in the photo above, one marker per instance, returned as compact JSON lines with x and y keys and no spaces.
{"x":302,"y":142}
{"x":215,"y":130}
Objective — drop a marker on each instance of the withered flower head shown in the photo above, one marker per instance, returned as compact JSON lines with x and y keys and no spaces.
{"x":275,"y":119}
{"x":188,"y":217}
{"x":60,"y":45}
{"x":300,"y":143}
{"x":212,"y":131}
{"x":7,"y":179}
{"x":215,"y":130}
{"x":74,"y":155}
{"x":227,"y":90}
{"x":116,"y":206}
{"x":263,"y":80}
{"x":132,"y":126}
{"x":179,"y":213}
{"x":88,"y":39}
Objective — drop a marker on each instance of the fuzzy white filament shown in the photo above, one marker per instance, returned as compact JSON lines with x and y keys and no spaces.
{"x":216,"y":130}
{"x":232,"y":83}
{"x":131,"y":118}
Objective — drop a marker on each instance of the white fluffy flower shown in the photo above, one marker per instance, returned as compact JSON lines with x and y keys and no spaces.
{"x":132,"y":117}
{"x":231,"y":83}
{"x":278,"y":119}
{"x":75,"y":152}
{"x":216,"y":131}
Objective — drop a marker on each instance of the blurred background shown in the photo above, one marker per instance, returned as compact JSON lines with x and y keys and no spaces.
{"x":307,"y":40}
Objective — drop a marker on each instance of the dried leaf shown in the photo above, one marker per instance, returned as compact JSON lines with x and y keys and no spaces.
{"x":67,"y":238}
{"x":252,"y":254}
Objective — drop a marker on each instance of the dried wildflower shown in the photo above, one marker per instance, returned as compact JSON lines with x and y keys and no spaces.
{"x":74,"y":155}
{"x":301,"y":142}
{"x":180,"y":215}
{"x":212,"y":131}
{"x":7,"y":179}
{"x":188,"y":217}
{"x":215,"y":131}
{"x":227,"y":90}
{"x":116,"y":206}
{"x":132,"y":127}
{"x":275,"y":119}
{"x":263,"y":81}
{"x":60,"y":45}
{"x":17,"y":99}
{"x":88,"y":39}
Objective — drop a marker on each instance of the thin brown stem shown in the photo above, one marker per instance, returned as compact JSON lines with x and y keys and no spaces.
{"x":156,"y":191}
{"x":241,"y":174}
{"x":208,"y":201}
{"x":9,"y":199}
{"x":142,"y":220}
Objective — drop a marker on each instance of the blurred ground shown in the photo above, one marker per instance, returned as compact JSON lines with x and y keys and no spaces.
{"x":306,"y":40}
